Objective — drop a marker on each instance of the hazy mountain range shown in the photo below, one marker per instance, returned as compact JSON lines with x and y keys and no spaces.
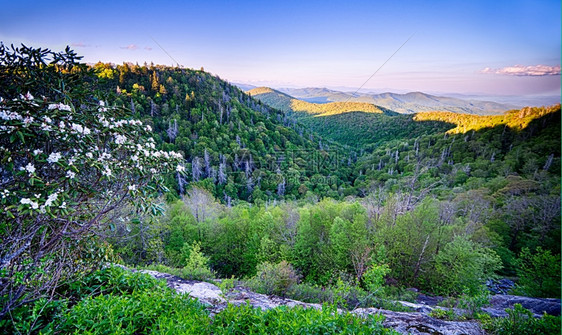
{"x":414,"y":102}
{"x":409,"y":103}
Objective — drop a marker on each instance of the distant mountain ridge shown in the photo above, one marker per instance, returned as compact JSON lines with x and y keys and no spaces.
{"x":287,"y":103}
{"x":408,"y":103}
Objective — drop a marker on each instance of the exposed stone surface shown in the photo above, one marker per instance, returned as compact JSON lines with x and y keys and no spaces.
{"x":416,"y":322}
{"x":406,"y":323}
{"x":419,"y":323}
{"x":428,"y":299}
{"x":502,"y":286}
{"x":207,"y":293}
{"x":420,"y":308}
{"x":535,"y":305}
{"x":240,"y":296}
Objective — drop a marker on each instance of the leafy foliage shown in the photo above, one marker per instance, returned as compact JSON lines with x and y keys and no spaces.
{"x":275,"y":278}
{"x":522,"y":321}
{"x":67,"y":165}
{"x":539,"y":273}
{"x":281,"y":320}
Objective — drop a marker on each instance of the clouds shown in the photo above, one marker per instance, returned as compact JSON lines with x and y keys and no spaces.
{"x":133,"y":47}
{"x":521,"y":70}
{"x":79,"y":45}
{"x":130,"y":47}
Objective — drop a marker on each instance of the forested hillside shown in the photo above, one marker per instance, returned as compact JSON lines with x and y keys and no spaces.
{"x":236,"y":147}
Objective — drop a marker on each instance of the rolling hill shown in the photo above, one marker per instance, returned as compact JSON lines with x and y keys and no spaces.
{"x":350,"y":123}
{"x":288,"y":103}
{"x":409,"y":103}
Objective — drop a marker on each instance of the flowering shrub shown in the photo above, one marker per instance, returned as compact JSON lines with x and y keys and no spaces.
{"x":65,"y":167}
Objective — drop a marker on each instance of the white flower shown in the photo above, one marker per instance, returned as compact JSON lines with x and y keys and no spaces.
{"x":27,"y":121}
{"x":106,"y":171}
{"x":51,"y":198}
{"x":37,"y":152}
{"x":134,"y":158}
{"x":47,"y":119}
{"x":132,"y":187}
{"x":54,"y":157}
{"x":60,"y":106}
{"x":29,"y":168}
{"x":120,"y":139}
{"x":153,"y":170}
{"x":89,"y":155}
{"x":70,"y":174}
{"x":5,"y":193}
{"x":63,"y":205}
{"x":28,"y":96}
{"x":77,"y":128}
{"x":7,"y":115}
{"x":46,"y":127}
{"x":148,"y":128}
{"x":27,"y":201}
{"x":104,"y":156}
{"x":180,"y":168}
{"x":102,"y":103}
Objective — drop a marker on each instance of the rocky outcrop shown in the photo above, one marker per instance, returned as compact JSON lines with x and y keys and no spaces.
{"x":538,"y":306}
{"x":416,"y":322}
{"x":207,"y":293}
{"x":502,"y":286}
{"x":406,"y":323}
{"x":420,"y":323}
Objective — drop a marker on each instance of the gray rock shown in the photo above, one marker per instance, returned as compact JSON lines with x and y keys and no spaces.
{"x":420,"y":308}
{"x":536,"y":305}
{"x":419,"y":323}
{"x":207,"y":293}
{"x":502,"y":286}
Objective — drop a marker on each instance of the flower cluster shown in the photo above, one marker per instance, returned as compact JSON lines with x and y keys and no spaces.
{"x":55,"y":155}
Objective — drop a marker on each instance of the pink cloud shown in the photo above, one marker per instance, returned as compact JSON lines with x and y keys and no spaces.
{"x":521,"y":70}
{"x":131,"y":47}
{"x":79,"y":44}
{"x":148,"y":48}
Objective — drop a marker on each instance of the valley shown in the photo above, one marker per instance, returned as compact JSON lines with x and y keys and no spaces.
{"x":354,"y":206}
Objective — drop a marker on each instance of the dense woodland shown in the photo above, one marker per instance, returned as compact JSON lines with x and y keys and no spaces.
{"x":348,"y":207}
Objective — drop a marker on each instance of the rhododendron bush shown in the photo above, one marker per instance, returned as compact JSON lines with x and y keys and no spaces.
{"x":68,"y":162}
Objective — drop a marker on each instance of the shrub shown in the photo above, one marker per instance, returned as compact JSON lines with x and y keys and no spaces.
{"x":196,"y":267}
{"x":68,"y":162}
{"x":49,"y":313}
{"x":274,"y":278}
{"x":374,"y":277}
{"x":444,"y":314}
{"x":539,"y":273}
{"x":463,"y":264}
{"x":150,"y":311}
{"x":153,"y":308}
{"x":473,"y":304}
{"x":522,"y":321}
{"x":282,"y":320}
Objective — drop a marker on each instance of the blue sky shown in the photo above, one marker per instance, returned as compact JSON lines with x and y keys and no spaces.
{"x":485,"y":47}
